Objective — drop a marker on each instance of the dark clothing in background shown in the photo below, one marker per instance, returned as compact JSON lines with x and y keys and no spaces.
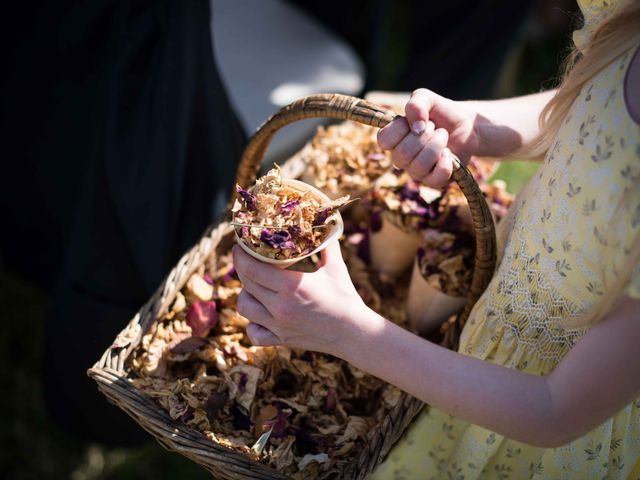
{"x":453,"y":47}
{"x":126,"y":151}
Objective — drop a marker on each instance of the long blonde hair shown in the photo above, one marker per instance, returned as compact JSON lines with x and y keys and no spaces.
{"x":616,"y":34}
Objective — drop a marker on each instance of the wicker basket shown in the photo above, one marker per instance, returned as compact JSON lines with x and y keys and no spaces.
{"x":111,"y":371}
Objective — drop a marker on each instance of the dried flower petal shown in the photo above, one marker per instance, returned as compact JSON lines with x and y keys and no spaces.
{"x":198,"y":288}
{"x":215,"y":403}
{"x":279,"y":424}
{"x":288,"y":207}
{"x":321,"y":217}
{"x":345,"y":159}
{"x":248,"y":377}
{"x":266,"y":413}
{"x":283,"y":455}
{"x":278,"y":239}
{"x":188,"y":345}
{"x":321,"y":458}
{"x":201,"y":317}
{"x":248,"y":197}
{"x":446,"y":260}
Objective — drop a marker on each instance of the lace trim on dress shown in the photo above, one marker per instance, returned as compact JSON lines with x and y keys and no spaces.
{"x":526,"y":304}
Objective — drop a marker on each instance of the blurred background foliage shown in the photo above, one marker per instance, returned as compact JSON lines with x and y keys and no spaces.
{"x":33,"y":447}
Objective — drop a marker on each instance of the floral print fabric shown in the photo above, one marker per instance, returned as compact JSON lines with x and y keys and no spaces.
{"x":561,"y":246}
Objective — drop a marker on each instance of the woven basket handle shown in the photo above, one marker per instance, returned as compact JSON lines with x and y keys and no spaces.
{"x":351,"y":108}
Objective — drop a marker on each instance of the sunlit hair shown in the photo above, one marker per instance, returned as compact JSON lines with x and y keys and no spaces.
{"x":618,"y":33}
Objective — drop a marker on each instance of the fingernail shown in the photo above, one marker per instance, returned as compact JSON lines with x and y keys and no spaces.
{"x":418,"y":127}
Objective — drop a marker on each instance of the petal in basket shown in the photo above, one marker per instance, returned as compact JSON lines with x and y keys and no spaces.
{"x":428,"y":307}
{"x":282,"y":219}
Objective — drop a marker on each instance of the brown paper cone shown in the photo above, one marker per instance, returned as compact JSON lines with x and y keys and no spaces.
{"x":335,"y":230}
{"x":392,"y":249}
{"x":427,"y":307}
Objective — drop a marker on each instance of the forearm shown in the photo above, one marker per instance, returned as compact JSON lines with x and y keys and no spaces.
{"x":509,"y":124}
{"x":506,"y":401}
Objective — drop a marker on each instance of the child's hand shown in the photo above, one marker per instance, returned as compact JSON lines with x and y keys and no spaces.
{"x":420,"y":142}
{"x":319,"y":311}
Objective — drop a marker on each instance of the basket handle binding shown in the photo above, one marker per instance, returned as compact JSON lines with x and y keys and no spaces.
{"x":352,"y":108}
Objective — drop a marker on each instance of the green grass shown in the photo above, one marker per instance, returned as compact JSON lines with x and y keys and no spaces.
{"x":515,"y":173}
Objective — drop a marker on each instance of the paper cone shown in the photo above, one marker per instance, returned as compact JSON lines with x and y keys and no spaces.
{"x":392,"y":249}
{"x":428,"y":307}
{"x":335,"y":231}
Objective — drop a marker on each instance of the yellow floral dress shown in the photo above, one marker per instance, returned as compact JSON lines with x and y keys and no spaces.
{"x":563,"y":242}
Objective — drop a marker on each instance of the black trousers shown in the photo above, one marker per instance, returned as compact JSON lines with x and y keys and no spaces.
{"x":125,"y":149}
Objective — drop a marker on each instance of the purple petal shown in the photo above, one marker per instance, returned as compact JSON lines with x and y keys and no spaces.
{"x":231,"y":273}
{"x":242,"y":384}
{"x":321,"y":217}
{"x":201,"y":317}
{"x":186,"y":416}
{"x":295,"y":230}
{"x":248,"y":197}
{"x":410,"y":191}
{"x":289,"y":206}
{"x":421,"y":211}
{"x":277,"y":239}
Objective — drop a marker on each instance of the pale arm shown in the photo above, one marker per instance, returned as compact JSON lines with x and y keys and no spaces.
{"x":518,"y":114}
{"x":596,"y":379}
